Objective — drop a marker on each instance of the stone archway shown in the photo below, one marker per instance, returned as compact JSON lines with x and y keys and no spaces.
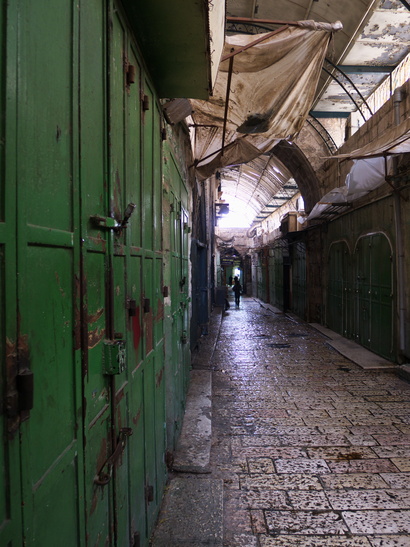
{"x":295,"y":160}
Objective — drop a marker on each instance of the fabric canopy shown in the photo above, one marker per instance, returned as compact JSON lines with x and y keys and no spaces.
{"x":272,"y":88}
{"x":395,"y":140}
{"x":365,"y":175}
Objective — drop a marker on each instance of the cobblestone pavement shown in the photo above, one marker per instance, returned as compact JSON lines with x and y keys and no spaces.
{"x":313,"y":451}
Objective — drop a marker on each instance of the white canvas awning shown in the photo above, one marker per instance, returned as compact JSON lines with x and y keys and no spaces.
{"x":365,"y":175}
{"x":395,"y":140}
{"x":371,"y":165}
{"x":262,"y":94}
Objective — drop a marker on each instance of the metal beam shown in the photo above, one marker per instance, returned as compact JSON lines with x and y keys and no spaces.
{"x":261,"y":21}
{"x":329,"y":114}
{"x":405,"y":4}
{"x":362,"y":69}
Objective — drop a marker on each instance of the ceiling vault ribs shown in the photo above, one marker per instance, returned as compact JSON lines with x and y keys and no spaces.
{"x":370,"y":52}
{"x":260,"y":177}
{"x":330,"y":73}
{"x":339,"y":69}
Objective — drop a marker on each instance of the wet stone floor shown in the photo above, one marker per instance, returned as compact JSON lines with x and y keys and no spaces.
{"x":312,"y":450}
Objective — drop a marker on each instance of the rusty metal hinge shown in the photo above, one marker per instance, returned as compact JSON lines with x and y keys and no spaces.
{"x":131,"y":73}
{"x":132,"y":307}
{"x":105,"y":474}
{"x":147,"y":305}
{"x":145,"y":103}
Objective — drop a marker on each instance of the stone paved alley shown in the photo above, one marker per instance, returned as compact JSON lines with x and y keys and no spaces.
{"x":308,"y":449}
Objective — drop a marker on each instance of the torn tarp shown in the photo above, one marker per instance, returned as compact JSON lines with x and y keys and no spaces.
{"x":272,"y":88}
{"x":395,"y":140}
{"x":364,"y":176}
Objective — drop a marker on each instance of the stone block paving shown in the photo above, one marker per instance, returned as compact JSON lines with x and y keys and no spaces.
{"x":313,"y":451}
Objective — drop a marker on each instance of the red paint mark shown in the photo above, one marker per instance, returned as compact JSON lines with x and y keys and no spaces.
{"x":149,"y":338}
{"x":160,"y":312}
{"x":158,"y":378}
{"x":136,"y":329}
{"x":136,"y":418}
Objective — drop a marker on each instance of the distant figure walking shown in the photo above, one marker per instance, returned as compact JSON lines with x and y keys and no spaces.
{"x":237,"y":289}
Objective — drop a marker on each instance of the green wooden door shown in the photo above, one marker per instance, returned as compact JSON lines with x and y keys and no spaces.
{"x":374,"y":325}
{"x":84,"y":464}
{"x":271,"y":266}
{"x":98,"y":423}
{"x":11,"y":532}
{"x":299,"y":279}
{"x":264,"y":263}
{"x":177,"y":363}
{"x":47,"y":264}
{"x":382,"y":296}
{"x":109,"y":308}
{"x":179,"y":303}
{"x":363,"y":282}
{"x":337,"y":288}
{"x":279,"y":275}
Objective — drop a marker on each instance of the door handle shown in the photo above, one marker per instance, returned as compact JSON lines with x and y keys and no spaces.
{"x":105,"y":474}
{"x":110,"y":223}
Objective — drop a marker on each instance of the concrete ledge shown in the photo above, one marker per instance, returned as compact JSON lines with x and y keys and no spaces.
{"x":403,"y":371}
{"x":193,"y":450}
{"x":356,"y":353}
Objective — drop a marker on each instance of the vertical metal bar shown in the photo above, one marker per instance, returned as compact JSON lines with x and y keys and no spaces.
{"x":228,"y":91}
{"x":109,"y":284}
{"x":400,"y":254}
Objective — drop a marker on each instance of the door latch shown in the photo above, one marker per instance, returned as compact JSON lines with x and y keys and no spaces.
{"x":110,"y":223}
{"x":104,"y":476}
{"x":114,"y":357}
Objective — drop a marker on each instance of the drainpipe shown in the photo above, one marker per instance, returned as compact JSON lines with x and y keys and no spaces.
{"x":401,"y":283}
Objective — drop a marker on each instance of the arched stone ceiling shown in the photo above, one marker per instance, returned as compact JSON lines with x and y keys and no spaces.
{"x":374,"y":40}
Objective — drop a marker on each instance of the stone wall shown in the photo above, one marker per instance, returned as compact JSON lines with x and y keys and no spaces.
{"x":333,"y":172}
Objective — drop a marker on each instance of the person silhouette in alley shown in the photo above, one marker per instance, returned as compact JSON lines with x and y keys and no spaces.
{"x":237,"y":289}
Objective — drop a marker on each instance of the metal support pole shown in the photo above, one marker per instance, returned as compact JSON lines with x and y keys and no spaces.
{"x":228,"y":91}
{"x":400,"y":263}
